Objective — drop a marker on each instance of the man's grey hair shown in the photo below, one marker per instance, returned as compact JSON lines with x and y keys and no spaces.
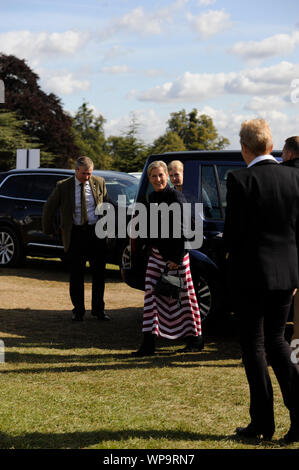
{"x":86,"y":162}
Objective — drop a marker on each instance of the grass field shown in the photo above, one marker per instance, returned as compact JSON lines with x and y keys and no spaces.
{"x":67,"y":385}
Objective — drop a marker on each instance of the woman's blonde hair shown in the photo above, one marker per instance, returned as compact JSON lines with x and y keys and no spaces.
{"x":176,"y":164}
{"x":156,"y":164}
{"x":256,"y":135}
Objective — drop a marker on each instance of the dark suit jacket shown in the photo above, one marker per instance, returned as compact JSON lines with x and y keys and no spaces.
{"x":260,"y":232}
{"x":63,"y":198}
{"x":292,"y":163}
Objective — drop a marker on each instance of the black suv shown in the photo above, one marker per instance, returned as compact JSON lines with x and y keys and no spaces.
{"x":205,"y":175}
{"x":22,"y":196}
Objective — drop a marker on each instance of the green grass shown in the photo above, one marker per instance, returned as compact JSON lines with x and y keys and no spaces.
{"x":72,"y":386}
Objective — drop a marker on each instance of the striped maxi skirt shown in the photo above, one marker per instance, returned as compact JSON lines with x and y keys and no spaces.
{"x":163,"y":316}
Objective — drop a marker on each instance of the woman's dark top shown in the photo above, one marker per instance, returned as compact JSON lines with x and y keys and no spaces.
{"x":171,"y":248}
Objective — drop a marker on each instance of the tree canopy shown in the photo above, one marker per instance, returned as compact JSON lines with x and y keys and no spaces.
{"x":42,"y":114}
{"x":196,"y":131}
{"x":128,"y":152}
{"x":12,"y":137}
{"x":169,"y":142}
{"x":90,"y":136}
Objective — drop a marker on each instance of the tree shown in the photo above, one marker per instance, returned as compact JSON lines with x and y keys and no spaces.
{"x":90,"y":136}
{"x":128,"y":152}
{"x":12,"y":137}
{"x":42,"y":113}
{"x":196,"y":131}
{"x":169,"y":142}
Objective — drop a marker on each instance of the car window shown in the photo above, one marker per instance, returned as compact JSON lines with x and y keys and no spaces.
{"x":223,"y":171}
{"x":43,"y":185}
{"x":213,"y":188}
{"x":190,"y":182}
{"x":15,"y":186}
{"x":209,"y":193}
{"x":124,"y":187}
{"x":33,"y":187}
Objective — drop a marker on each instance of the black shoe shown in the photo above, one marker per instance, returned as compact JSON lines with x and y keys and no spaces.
{"x":251,"y":432}
{"x":78,"y":314}
{"x":101,"y":316}
{"x":143,"y":351}
{"x":291,"y":436}
{"x":76,"y":317}
{"x":194,"y":344}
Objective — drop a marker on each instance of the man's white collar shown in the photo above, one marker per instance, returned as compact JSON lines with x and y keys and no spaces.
{"x":260,"y":159}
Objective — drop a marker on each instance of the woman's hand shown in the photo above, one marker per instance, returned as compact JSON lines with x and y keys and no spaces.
{"x":172,"y":265}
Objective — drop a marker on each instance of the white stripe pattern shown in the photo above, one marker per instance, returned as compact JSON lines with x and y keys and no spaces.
{"x":163,"y":316}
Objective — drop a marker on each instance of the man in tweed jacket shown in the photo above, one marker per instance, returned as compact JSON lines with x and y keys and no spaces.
{"x":78,"y":233}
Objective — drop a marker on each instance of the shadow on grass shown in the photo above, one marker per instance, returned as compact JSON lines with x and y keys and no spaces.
{"x":108,"y":345}
{"x":53,"y":270}
{"x":80,"y":440}
{"x":98,"y":439}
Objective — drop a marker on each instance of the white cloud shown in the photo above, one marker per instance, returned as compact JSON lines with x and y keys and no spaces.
{"x":122,"y":69}
{"x":29,"y":45}
{"x":187,"y":88}
{"x":63,"y":83}
{"x":139,"y":21}
{"x":279,"y":44}
{"x":205,"y":3}
{"x":115,"y":69}
{"x":153,"y":72}
{"x":274,"y":80}
{"x":210,"y":23}
{"x":260,"y":103}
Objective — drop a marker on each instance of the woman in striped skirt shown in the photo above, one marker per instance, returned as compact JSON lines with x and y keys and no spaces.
{"x":163,"y":316}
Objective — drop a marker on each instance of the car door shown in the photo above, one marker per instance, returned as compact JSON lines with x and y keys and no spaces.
{"x":213,"y":195}
{"x":25,"y":196}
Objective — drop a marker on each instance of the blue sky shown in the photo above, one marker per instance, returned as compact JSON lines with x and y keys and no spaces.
{"x":229,"y":59}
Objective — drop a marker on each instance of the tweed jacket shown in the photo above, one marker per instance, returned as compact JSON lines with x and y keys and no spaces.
{"x":63,"y":198}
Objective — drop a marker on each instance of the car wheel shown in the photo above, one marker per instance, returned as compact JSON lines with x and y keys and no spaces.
{"x":10,"y":247}
{"x":126,"y":257}
{"x":204,"y":294}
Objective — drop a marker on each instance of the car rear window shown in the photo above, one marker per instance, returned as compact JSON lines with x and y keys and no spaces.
{"x":30,"y":186}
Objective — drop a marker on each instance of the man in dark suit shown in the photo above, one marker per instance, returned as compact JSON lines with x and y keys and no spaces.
{"x":77,"y":198}
{"x":290,"y":156}
{"x":262,"y":270}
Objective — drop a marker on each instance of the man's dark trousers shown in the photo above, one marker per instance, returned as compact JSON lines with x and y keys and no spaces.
{"x":262,"y":319}
{"x":86,"y":246}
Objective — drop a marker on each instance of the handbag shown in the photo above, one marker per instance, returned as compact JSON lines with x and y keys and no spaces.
{"x":169,"y":285}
